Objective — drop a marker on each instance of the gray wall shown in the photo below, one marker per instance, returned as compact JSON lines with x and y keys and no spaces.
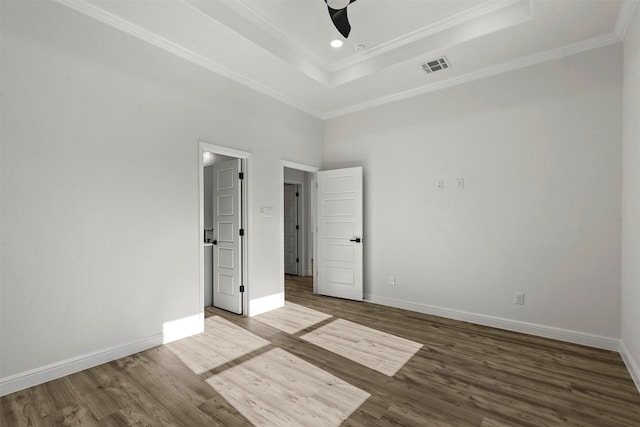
{"x":99,"y":172}
{"x":631,"y":200}
{"x":540,"y":152}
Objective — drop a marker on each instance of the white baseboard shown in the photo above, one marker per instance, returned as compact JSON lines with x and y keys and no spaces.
{"x":56,"y":370}
{"x":181,"y":328}
{"x":632,"y":366}
{"x":262,"y":305}
{"x":568,"y":335}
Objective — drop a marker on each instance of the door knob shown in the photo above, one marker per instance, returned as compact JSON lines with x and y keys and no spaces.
{"x":357,"y":240}
{"x":215,"y":242}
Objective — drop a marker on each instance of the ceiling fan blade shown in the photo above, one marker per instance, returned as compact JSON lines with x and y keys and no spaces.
{"x":340,"y":19}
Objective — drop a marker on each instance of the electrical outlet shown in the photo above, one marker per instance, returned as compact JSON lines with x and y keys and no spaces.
{"x":441,"y":184}
{"x":392,"y":280}
{"x":460,"y":182}
{"x":519,"y":298}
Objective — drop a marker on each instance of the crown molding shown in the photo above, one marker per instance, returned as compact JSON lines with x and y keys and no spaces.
{"x":264,"y":33}
{"x":527,"y":61}
{"x":421,"y":33}
{"x":295,"y":53}
{"x":193,"y":57}
{"x":274,"y":30}
{"x":625,"y":15}
{"x":627,"y":9}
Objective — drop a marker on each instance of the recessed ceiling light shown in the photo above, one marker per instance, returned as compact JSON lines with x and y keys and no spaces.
{"x":336,"y":43}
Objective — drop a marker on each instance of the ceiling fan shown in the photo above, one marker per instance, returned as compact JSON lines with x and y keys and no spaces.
{"x":338,"y":14}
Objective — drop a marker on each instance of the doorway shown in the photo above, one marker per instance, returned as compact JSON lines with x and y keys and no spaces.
{"x":223,"y":243}
{"x":334,"y":228}
{"x":298,"y":213}
{"x":292,"y":229}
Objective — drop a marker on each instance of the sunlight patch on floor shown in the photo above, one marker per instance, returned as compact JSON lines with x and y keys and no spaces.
{"x":292,"y":318}
{"x":277,"y":388}
{"x":220,"y":343}
{"x":385,"y":353}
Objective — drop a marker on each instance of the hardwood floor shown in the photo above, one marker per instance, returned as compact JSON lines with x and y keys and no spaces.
{"x":292,"y":318}
{"x":460,"y":374}
{"x":369,"y":347}
{"x":277,"y":388}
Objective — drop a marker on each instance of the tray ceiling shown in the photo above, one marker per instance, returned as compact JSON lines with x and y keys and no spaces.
{"x":281,"y":47}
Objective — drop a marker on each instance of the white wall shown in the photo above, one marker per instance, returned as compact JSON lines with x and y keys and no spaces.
{"x":99,"y":172}
{"x":631,"y":200}
{"x":540,"y":152}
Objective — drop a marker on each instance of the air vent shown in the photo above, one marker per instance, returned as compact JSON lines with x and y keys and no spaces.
{"x":434,"y":65}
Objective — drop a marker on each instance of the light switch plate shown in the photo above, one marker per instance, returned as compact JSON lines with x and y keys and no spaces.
{"x":266,"y":212}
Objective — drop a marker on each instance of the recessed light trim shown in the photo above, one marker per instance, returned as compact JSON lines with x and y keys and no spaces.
{"x":337,"y":43}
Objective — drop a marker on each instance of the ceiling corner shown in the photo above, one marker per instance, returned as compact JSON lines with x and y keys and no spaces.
{"x":627,"y":9}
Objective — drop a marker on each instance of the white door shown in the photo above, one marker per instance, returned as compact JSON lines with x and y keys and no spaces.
{"x":227,"y":242}
{"x":291,"y":259}
{"x":340,"y":233}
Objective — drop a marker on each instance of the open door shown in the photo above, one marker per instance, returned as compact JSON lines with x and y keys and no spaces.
{"x":227,"y":243}
{"x":340,"y":269}
{"x":291,"y":227}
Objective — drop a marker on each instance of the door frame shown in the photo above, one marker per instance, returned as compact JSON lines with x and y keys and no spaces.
{"x":312,"y":224}
{"x":246,"y":168}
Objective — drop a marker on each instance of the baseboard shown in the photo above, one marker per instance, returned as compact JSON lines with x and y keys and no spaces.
{"x":567,"y":335}
{"x":262,"y":305}
{"x":632,"y":366}
{"x":56,"y":370}
{"x":174,"y":330}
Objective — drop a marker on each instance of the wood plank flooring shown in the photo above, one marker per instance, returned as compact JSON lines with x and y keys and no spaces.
{"x":220,"y":343}
{"x":279,"y":389}
{"x":292,"y":318}
{"x":462,"y":375}
{"x":371,"y":348}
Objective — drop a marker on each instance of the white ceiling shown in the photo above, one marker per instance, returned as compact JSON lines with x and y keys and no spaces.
{"x":281,"y":47}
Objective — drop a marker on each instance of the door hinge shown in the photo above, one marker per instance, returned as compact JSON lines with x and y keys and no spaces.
{"x":241,"y":175}
{"x":297,"y":227}
{"x":241,"y":288}
{"x":297,"y":259}
{"x":242,"y":231}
